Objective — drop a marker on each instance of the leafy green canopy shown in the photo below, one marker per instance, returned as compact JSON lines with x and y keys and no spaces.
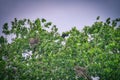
{"x":39,"y":52}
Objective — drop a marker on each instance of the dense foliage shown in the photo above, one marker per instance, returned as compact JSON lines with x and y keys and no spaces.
{"x":39,"y":52}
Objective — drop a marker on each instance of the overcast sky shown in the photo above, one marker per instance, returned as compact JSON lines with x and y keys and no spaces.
{"x":63,"y":13}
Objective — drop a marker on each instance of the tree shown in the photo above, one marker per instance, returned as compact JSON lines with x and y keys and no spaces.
{"x":39,"y":52}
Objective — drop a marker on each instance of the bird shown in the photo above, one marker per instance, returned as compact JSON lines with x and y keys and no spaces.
{"x":95,"y":78}
{"x":33,"y":43}
{"x":81,"y":72}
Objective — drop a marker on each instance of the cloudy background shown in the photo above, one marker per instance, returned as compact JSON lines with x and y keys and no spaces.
{"x":63,"y":13}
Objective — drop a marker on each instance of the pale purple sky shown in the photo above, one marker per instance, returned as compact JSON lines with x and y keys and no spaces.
{"x":63,"y":13}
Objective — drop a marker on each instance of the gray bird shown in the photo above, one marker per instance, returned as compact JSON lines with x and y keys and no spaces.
{"x":33,"y":43}
{"x":81,"y":72}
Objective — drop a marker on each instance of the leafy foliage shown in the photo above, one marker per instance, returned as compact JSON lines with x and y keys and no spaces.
{"x":54,"y":56}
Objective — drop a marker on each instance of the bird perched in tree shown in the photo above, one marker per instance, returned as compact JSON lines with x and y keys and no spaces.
{"x":64,"y":35}
{"x":81,"y":72}
{"x":33,"y":43}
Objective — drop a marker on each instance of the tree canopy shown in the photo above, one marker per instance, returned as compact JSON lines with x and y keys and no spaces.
{"x":40,"y":52}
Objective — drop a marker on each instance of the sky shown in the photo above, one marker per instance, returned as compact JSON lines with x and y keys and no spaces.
{"x":63,"y":13}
